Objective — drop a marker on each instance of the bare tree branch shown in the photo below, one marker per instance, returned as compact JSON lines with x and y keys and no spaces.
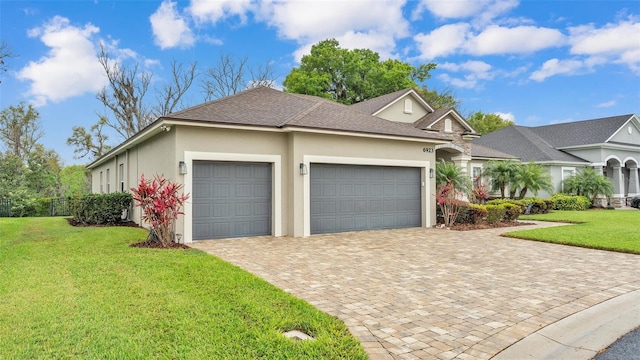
{"x":92,"y":142}
{"x":124,"y":95}
{"x":5,"y":53}
{"x":20,"y":129}
{"x":169,"y":97}
{"x":232,"y":74}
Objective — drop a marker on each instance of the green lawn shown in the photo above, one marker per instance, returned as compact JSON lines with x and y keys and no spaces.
{"x":69,"y":292}
{"x":614,"y":230}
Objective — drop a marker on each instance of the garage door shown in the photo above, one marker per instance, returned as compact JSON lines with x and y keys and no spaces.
{"x":354,"y":197}
{"x":231,"y":199}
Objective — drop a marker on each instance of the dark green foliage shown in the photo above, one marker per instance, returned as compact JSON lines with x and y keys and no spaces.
{"x":495,"y":213}
{"x":511,"y":212}
{"x":99,"y":208}
{"x":538,"y":206}
{"x":570,"y":202}
{"x":472,"y":214}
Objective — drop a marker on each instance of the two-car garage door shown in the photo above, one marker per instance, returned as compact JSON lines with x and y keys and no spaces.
{"x":234,"y":199}
{"x":355,"y":197}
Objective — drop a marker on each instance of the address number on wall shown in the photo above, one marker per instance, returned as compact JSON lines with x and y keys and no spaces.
{"x":427,"y":150}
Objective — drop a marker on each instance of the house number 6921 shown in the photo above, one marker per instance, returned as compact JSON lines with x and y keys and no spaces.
{"x":427,"y":149}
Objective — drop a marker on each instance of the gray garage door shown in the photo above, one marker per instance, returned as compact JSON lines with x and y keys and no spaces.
{"x":231,"y":199}
{"x":354,"y":197}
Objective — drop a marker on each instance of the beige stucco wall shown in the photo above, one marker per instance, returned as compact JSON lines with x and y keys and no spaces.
{"x":161,"y":154}
{"x":309,"y":148}
{"x":395,"y":112}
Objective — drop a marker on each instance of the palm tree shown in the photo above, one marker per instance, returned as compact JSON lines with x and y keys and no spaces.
{"x":588,"y":183}
{"x":449,"y":172}
{"x":533,"y":177}
{"x":502,"y":174}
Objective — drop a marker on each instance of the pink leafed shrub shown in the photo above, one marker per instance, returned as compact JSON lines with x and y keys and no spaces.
{"x":161,"y":204}
{"x":448,"y":199}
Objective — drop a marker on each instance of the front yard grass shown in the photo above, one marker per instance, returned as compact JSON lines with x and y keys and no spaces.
{"x":68,"y":292}
{"x":614,"y":230}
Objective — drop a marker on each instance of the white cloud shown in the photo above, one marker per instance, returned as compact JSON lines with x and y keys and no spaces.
{"x":213,"y":11}
{"x":474,"y":71}
{"x":555,"y":67}
{"x":506,"y":116}
{"x":516,"y":40}
{"x":606,"y":104}
{"x":617,"y":41}
{"x":483,"y":11}
{"x":442,"y":41}
{"x":170,"y":29}
{"x":373,"y":24}
{"x":70,"y":68}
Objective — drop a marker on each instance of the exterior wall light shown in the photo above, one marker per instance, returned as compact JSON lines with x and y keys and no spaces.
{"x":182,"y":167}
{"x":431,"y":173}
{"x":303,"y":169}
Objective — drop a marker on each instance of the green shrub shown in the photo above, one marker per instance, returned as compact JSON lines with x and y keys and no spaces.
{"x":472,"y":214}
{"x":570,"y":202}
{"x":99,"y":208}
{"x":550,"y":204}
{"x":495,"y":213}
{"x":538,"y":206}
{"x":511,"y":212}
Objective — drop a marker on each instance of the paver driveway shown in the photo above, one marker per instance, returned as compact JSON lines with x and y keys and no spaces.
{"x":432,"y":293}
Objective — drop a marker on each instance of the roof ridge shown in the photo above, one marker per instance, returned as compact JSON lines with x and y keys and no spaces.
{"x":301,"y":114}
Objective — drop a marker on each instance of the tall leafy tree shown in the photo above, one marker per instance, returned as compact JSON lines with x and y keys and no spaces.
{"x":450,"y":173}
{"x":532,"y":177}
{"x":588,"y":183}
{"x":20,"y":129}
{"x":486,"y":123}
{"x":92,"y":142}
{"x":439,"y":100}
{"x":11,"y":173}
{"x":74,"y":180}
{"x":351,"y":76}
{"x":503,"y":175}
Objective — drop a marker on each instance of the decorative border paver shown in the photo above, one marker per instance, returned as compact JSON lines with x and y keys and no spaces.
{"x":432,"y":293}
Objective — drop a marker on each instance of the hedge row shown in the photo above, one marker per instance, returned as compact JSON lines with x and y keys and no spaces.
{"x":570,"y":202}
{"x":534,"y":205}
{"x":100,"y":208}
{"x":477,"y":214}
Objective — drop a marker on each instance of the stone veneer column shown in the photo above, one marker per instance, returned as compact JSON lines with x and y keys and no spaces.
{"x":634,"y":182}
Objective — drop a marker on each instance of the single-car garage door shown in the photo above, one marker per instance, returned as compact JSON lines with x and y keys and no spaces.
{"x":231,"y":199}
{"x":355,"y":197}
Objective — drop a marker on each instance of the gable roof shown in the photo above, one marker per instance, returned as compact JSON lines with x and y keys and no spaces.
{"x":586,"y":132}
{"x":431,"y":119}
{"x":268,"y":107}
{"x":525,"y":144}
{"x":375,"y":105}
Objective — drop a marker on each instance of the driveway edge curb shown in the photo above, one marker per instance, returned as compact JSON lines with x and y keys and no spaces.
{"x":581,"y":335}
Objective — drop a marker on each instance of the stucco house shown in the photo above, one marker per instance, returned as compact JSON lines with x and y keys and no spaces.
{"x":610,"y":145}
{"x":266,"y":162}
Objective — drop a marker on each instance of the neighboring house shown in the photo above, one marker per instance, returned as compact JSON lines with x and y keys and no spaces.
{"x":265,"y":162}
{"x":610,"y":145}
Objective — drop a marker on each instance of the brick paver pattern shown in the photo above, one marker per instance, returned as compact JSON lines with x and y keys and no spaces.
{"x":435,"y":293}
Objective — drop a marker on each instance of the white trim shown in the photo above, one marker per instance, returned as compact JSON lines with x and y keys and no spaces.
{"x":613,"y":157}
{"x":306,"y":189}
{"x":415,"y":96}
{"x":608,"y":146}
{"x":276,"y":194}
{"x":630,"y":158}
{"x":363,"y":135}
{"x":626,"y":123}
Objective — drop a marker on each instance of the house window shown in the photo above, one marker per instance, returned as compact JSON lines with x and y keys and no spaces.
{"x":121,"y":174}
{"x":101,"y":183}
{"x":408,"y":106}
{"x":567,"y":172}
{"x":108,"y":183}
{"x":447,"y":125}
{"x":477,"y":175}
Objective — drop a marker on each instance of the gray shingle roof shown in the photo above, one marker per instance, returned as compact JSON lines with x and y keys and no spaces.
{"x":479,"y":151}
{"x":524,"y":143}
{"x":584,"y":132}
{"x":273,"y":108}
{"x":371,"y":106}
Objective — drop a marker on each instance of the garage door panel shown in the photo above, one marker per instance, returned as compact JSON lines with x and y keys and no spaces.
{"x":231,"y":199}
{"x":367,"y":197}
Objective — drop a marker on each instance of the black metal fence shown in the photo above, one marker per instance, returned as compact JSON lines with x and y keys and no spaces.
{"x":5,"y":207}
{"x":39,"y":207}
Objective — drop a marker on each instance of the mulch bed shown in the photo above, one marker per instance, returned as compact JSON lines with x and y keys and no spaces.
{"x":467,"y":227}
{"x":150,"y":244}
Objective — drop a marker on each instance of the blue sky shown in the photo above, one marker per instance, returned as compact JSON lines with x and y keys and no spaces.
{"x":534,"y":62}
